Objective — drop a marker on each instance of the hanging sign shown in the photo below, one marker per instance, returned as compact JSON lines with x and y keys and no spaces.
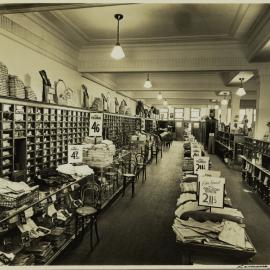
{"x":143,"y":124}
{"x":201,"y":164}
{"x":75,"y":153}
{"x":196,"y":150}
{"x":96,"y":124}
{"x":211,"y":191}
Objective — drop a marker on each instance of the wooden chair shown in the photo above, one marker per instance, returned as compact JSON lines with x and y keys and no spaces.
{"x":90,"y":197}
{"x":141,"y":160}
{"x":129,"y":175}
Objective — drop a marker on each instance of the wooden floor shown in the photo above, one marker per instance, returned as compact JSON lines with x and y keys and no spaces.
{"x":138,"y":231}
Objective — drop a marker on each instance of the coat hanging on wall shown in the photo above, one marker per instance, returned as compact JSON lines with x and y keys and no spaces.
{"x":85,"y":103}
{"x":122,"y":108}
{"x":116,"y":105}
{"x":104,"y":103}
{"x":97,"y":105}
{"x":140,"y":108}
{"x":46,"y":85}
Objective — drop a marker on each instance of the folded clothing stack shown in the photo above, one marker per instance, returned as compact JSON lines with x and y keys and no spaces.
{"x":23,"y":259}
{"x":52,"y":178}
{"x":99,"y":155}
{"x":16,"y":87}
{"x":6,"y":258}
{"x":188,"y":187}
{"x":188,"y":165}
{"x":75,"y":170}
{"x":42,"y":251}
{"x":3,"y":80}
{"x":227,"y":234}
{"x":57,"y":237}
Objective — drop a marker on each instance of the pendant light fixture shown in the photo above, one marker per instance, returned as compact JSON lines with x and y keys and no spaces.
{"x":159,"y":96}
{"x":224,"y":101}
{"x":165,"y":102}
{"x":147,"y":83}
{"x":117,"y":52}
{"x":241,"y":90}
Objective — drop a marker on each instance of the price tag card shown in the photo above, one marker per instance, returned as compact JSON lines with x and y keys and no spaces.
{"x":201,"y":164}
{"x":75,"y":153}
{"x":211,"y":191}
{"x":96,"y":124}
{"x":143,"y":124}
{"x":212,"y":173}
{"x":196,"y":150}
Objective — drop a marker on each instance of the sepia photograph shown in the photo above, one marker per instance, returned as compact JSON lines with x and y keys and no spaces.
{"x":134,"y":134}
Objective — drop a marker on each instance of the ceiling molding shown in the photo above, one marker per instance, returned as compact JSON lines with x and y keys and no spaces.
{"x":51,"y":28}
{"x":17,"y":32}
{"x":107,"y":84}
{"x":258,"y":35}
{"x":60,"y":16}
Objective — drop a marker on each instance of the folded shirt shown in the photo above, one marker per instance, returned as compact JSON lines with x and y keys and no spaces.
{"x":185,"y":197}
{"x":188,"y":187}
{"x":188,"y":206}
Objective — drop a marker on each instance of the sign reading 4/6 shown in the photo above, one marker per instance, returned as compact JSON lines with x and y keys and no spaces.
{"x":96,"y":124}
{"x":201,"y":164}
{"x":211,"y":191}
{"x":75,"y":153}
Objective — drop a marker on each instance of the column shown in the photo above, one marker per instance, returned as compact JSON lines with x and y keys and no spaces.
{"x":224,"y":111}
{"x":235,"y":108}
{"x":263,"y":103}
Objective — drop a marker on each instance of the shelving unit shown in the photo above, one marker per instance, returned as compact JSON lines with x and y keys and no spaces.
{"x":35,"y":136}
{"x":227,"y":145}
{"x":256,"y":166}
{"x":119,"y":128}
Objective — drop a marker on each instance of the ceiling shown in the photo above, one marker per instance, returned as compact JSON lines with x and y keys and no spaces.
{"x":94,"y":25}
{"x":162,"y":22}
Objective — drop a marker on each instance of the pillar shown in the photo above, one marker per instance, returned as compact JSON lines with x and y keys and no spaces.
{"x":263,"y":103}
{"x":235,"y":108}
{"x":224,"y":111}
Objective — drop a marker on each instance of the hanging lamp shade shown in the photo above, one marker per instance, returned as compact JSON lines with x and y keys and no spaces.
{"x":117,"y":51}
{"x":165,"y":102}
{"x":148,"y":83}
{"x":224,"y":102}
{"x":159,"y":96}
{"x":241,"y":90}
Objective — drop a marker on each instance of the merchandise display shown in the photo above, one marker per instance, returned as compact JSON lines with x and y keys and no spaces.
{"x":135,"y":134}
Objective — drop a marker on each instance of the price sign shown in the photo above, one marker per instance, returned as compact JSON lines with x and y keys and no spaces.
{"x":96,"y":124}
{"x":195,"y":150}
{"x":212,"y":173}
{"x":211,"y":191}
{"x":75,"y":153}
{"x":201,"y":164}
{"x":143,"y":124}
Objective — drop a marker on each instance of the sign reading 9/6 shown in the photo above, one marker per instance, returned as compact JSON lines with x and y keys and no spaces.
{"x":75,"y":153}
{"x":211,"y":191}
{"x":96,"y":124}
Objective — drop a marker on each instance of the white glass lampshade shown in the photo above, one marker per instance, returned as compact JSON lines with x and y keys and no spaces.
{"x":165,"y":102}
{"x":241,"y":92}
{"x":147,"y":84}
{"x":224,"y":102}
{"x":159,"y":96}
{"x":117,"y":52}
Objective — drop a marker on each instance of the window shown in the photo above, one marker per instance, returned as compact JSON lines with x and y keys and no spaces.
{"x":179,"y":114}
{"x":164,"y":113}
{"x":195,"y":114}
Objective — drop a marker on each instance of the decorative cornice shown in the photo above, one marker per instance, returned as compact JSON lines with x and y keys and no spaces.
{"x":17,"y":32}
